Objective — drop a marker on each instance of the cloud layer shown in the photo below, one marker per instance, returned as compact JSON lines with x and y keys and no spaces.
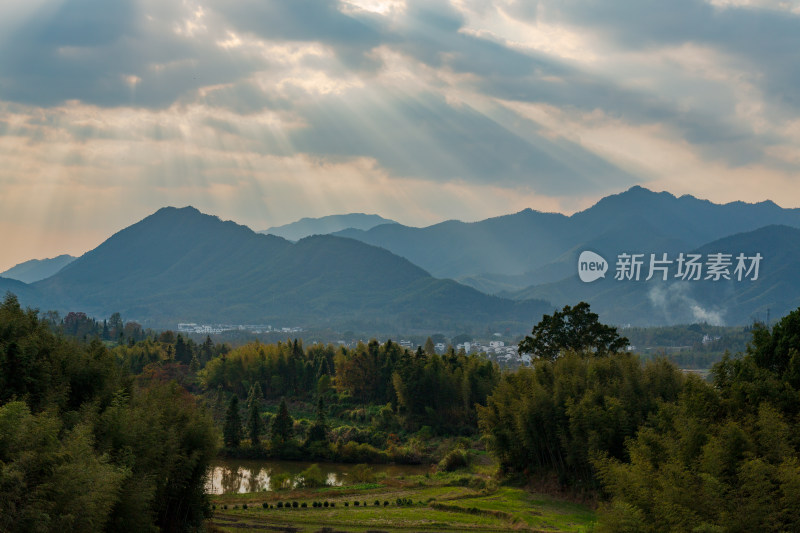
{"x":267,"y":111}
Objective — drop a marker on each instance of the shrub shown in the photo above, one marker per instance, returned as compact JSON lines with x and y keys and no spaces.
{"x":214,"y":507}
{"x":361,"y":473}
{"x":280,"y":505}
{"x":303,"y":505}
{"x":333,"y":504}
{"x":313,"y":477}
{"x":377,"y":503}
{"x":280,"y":481}
{"x":244,"y":506}
{"x":356,"y":504}
{"x":265,"y":505}
{"x":454,"y":460}
{"x":352,"y":452}
{"x":295,"y":505}
{"x":225,"y":506}
{"x":347,"y":504}
{"x":386,"y":503}
{"x":325,"y":504}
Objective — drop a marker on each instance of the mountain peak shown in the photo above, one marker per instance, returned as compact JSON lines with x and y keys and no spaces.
{"x":307,"y":226}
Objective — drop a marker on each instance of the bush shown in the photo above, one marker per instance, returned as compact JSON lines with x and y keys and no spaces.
{"x":352,"y":452}
{"x":454,"y":460}
{"x":325,"y":504}
{"x":356,"y":503}
{"x":313,"y":477}
{"x":225,"y":506}
{"x":295,"y":505}
{"x":280,"y":481}
{"x":377,"y":503}
{"x":386,"y":503}
{"x":303,"y":505}
{"x":347,"y":504}
{"x":265,"y":505}
{"x":244,"y":506}
{"x":361,"y":473}
{"x":280,"y":505}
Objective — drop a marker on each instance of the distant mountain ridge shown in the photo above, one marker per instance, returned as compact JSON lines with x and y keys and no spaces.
{"x":37,"y":269}
{"x":180,"y":265}
{"x":657,"y":302}
{"x":515,"y":251}
{"x":306,"y":227}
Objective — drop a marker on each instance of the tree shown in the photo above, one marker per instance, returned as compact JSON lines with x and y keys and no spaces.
{"x":572,"y":328}
{"x":430,"y":349}
{"x":282,"y":425}
{"x":254,"y":423}
{"x":232,"y":431}
{"x":319,"y":429}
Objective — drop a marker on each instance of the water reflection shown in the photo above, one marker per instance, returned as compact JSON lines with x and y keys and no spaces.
{"x":228,"y":477}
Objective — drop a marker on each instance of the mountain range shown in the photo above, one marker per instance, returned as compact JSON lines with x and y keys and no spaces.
{"x":516,"y":251}
{"x":180,"y":265}
{"x":720,"y":302}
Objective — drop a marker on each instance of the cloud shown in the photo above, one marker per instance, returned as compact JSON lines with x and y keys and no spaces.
{"x":557,"y":102}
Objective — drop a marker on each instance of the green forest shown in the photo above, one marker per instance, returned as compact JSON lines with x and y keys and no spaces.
{"x":106,"y":427}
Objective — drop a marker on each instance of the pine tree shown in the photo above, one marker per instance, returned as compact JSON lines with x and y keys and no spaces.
{"x":194,"y":365}
{"x":255,"y":394}
{"x":282,"y":425}
{"x":254,"y":423}
{"x":319,"y":429}
{"x":232,"y":431}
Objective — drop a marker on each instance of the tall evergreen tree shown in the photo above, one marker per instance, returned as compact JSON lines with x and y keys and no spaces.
{"x":232,"y":431}
{"x":319,"y":429}
{"x":183,"y":352}
{"x":254,"y":423}
{"x":282,"y":425}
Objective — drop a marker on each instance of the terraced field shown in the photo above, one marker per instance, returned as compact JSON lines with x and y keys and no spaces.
{"x":419,"y":503}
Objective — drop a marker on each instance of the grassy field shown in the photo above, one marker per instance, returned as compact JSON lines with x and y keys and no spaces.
{"x":435,"y":502}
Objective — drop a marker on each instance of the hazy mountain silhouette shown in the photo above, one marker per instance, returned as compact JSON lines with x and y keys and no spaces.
{"x":673,"y":301}
{"x":37,"y":269}
{"x":306,"y":227}
{"x":515,"y":251}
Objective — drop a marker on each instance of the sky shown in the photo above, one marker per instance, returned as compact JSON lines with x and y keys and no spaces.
{"x":265,"y":112}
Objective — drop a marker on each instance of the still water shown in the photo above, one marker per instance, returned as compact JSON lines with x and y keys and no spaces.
{"x":239,"y":476}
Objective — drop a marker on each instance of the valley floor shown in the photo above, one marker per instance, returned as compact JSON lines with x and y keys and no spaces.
{"x":431,"y":502}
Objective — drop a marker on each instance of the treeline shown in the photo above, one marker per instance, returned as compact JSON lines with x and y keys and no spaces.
{"x":667,"y":451}
{"x":81,"y":326}
{"x":84,"y":446}
{"x":422,"y":388}
{"x":555,"y":417}
{"x":701,"y":338}
{"x":726,"y":455}
{"x":167,"y":347}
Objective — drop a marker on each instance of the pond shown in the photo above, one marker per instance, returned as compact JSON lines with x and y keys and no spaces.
{"x":241,"y":476}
